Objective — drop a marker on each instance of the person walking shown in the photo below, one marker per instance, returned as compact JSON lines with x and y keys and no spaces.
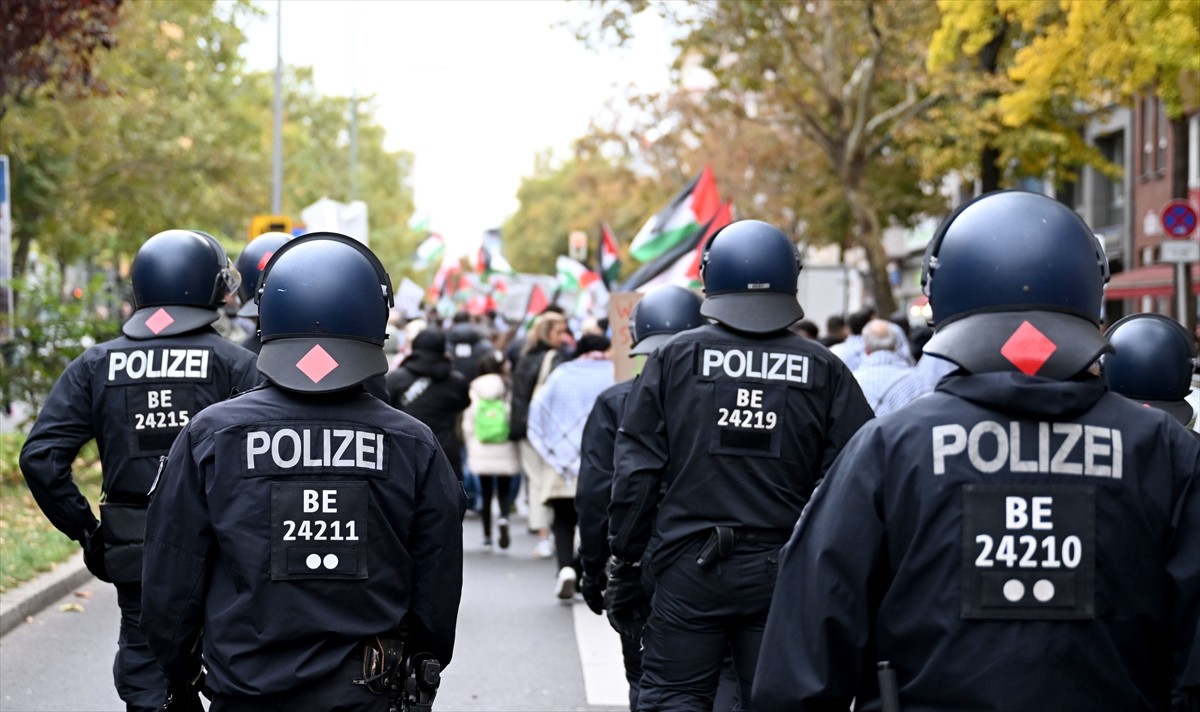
{"x":539,"y":355}
{"x":133,"y":395}
{"x":663,"y":312}
{"x":427,"y":388}
{"x":1022,"y":538}
{"x":304,"y":539}
{"x":493,"y":456}
{"x":556,"y":419}
{"x":727,"y":432}
{"x":881,"y":365}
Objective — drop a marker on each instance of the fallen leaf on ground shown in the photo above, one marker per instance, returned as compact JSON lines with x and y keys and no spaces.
{"x":74,"y":607}
{"x":83,"y":594}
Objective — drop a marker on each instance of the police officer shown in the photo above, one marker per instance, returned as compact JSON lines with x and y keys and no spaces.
{"x":738,"y":421}
{"x":308,"y":533}
{"x":1019,"y":539}
{"x":250,"y":265}
{"x":659,"y":315}
{"x":133,"y":394}
{"x":1153,"y":363}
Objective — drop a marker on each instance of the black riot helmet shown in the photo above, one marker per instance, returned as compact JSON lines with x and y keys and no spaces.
{"x":323,"y":301}
{"x":1153,"y":363}
{"x":250,"y":264}
{"x":1016,"y":280}
{"x":660,"y":314}
{"x":750,"y":271}
{"x":180,"y":278}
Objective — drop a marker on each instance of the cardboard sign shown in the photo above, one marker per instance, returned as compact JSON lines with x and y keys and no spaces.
{"x":620,"y":306}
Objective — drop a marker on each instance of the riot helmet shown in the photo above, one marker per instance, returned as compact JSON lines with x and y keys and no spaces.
{"x":660,"y":314}
{"x":1152,"y":364}
{"x":750,"y":271}
{"x":1016,"y":280}
{"x":250,"y":264}
{"x":180,"y":278}
{"x":323,"y":301}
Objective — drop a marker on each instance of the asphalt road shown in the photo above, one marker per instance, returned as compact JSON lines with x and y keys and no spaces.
{"x":518,"y":648}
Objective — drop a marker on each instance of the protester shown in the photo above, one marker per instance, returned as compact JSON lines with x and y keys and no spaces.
{"x":557,"y":415}
{"x":491,"y":453}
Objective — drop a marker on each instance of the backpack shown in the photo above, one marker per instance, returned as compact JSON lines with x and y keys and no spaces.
{"x":491,"y":421}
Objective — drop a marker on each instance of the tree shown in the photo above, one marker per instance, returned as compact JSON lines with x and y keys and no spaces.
{"x":578,"y":194}
{"x":846,"y":78}
{"x":1068,"y":60}
{"x":51,"y":44}
{"x":165,"y":146}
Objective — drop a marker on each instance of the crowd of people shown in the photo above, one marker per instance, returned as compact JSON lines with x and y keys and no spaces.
{"x":1000,"y":513}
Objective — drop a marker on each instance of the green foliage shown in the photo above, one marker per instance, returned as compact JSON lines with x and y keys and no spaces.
{"x":1051,"y":66}
{"x":51,"y":329}
{"x":30,"y":544}
{"x":578,"y":194}
{"x":182,"y":138}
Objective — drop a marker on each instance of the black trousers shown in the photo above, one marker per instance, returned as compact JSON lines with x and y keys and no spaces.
{"x":332,"y":694}
{"x":697,"y":616}
{"x":140,"y":682}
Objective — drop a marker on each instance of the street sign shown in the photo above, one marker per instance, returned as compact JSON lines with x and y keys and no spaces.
{"x":1179,"y":251}
{"x":1178,"y":219}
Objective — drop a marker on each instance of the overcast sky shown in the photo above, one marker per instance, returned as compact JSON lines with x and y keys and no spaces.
{"x":474,"y":89}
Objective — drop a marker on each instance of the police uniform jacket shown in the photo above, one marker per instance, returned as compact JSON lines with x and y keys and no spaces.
{"x":1007,"y":542}
{"x":738,"y":428}
{"x":594,"y":490}
{"x":133,"y":396}
{"x":292,"y":528}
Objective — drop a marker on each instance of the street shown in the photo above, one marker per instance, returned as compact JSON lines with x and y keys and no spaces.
{"x":518,"y":647}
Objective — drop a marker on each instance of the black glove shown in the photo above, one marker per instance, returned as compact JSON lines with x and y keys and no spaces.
{"x":93,"y":553}
{"x":626,"y":599}
{"x":592,"y":587}
{"x":185,"y":696}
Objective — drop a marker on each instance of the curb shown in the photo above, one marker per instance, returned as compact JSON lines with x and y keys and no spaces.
{"x":34,"y":595}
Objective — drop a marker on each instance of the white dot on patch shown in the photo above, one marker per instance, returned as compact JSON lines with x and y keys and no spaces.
{"x":1014,"y":590}
{"x":331,"y":561}
{"x":1043,"y":590}
{"x":312,"y":561}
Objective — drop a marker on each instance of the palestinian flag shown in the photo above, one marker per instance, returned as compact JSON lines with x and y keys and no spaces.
{"x":431,"y":250}
{"x":682,"y":217}
{"x":537,"y":303}
{"x":723,"y":217}
{"x":680,"y":266}
{"x":608,"y":257}
{"x":573,"y":276}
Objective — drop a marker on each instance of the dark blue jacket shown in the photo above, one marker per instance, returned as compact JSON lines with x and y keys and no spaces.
{"x":1008,"y":542}
{"x":291,"y":528}
{"x":737,"y":428}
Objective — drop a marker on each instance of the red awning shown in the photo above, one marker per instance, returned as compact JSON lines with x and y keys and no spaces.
{"x":1152,"y":281}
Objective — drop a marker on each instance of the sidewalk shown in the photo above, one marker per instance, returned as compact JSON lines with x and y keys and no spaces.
{"x":32,"y":596}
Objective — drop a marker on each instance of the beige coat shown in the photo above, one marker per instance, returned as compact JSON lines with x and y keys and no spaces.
{"x":488,"y":458}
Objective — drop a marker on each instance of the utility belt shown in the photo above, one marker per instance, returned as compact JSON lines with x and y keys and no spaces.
{"x":722,"y":540}
{"x":410,"y":680}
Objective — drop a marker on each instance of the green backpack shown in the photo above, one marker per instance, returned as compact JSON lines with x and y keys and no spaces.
{"x":491,"y":421}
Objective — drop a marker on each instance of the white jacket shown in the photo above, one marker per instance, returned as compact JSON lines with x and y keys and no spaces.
{"x":488,"y":458}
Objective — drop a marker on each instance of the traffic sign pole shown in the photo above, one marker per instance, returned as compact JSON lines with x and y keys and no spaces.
{"x":1178,"y":219}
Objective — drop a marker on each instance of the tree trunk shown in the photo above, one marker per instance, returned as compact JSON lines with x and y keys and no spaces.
{"x":870,"y":238}
{"x":989,"y":159}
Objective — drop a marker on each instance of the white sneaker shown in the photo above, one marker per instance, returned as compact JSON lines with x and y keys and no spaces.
{"x":544,"y":549}
{"x":564,"y":587}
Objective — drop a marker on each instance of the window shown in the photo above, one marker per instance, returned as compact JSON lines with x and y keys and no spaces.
{"x":1148,"y":124}
{"x":1109,"y":195}
{"x":1160,"y":162}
